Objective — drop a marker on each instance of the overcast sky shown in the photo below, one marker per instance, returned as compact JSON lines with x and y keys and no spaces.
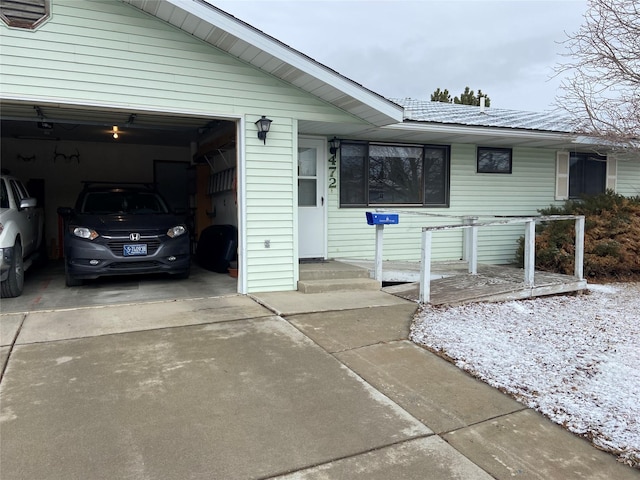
{"x":409,"y":48}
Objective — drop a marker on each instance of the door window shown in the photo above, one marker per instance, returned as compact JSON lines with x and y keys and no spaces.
{"x":307,"y":177}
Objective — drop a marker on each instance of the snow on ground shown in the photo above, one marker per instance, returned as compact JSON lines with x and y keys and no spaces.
{"x":576,"y":359}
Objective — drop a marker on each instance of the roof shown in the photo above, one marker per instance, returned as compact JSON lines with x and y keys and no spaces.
{"x":239,"y":39}
{"x":454,"y":114}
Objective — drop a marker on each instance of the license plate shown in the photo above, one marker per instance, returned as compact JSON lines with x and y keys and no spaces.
{"x":135,"y":250}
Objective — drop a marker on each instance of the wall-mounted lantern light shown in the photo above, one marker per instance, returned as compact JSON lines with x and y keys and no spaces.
{"x":263,"y":127}
{"x":334,"y":145}
{"x":115,"y":132}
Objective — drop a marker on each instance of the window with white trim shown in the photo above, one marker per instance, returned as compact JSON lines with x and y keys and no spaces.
{"x":378,"y":174}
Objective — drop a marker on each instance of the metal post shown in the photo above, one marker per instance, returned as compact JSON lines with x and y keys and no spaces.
{"x":579,"y":249}
{"x":425,"y":268}
{"x":466,"y":252}
{"x":379,"y":236}
{"x":473,"y":260}
{"x":529,"y":252}
{"x":470,"y":254}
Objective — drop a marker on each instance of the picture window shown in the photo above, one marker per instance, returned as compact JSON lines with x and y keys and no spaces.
{"x":377,"y":174}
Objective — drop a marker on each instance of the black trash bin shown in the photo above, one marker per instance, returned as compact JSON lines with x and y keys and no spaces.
{"x":217,"y":247}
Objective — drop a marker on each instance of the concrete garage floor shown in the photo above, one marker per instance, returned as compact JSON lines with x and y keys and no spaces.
{"x":224,"y":388}
{"x":44,"y":289}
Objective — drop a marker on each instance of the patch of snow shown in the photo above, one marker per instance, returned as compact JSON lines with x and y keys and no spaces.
{"x":576,"y":359}
{"x":602,"y":288}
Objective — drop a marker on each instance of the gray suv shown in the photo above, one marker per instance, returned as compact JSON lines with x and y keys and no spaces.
{"x":122,"y":230}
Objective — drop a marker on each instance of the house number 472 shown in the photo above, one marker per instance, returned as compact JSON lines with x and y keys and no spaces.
{"x":333,"y":181}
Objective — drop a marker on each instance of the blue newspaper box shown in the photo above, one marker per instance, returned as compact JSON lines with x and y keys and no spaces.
{"x":382,"y":218}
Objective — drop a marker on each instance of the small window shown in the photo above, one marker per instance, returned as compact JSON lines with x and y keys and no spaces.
{"x":27,"y":14}
{"x":494,"y":160}
{"x":587,"y":174}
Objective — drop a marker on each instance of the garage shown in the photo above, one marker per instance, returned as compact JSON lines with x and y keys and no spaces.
{"x":192,"y":161}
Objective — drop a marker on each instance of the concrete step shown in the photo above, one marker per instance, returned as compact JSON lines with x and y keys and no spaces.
{"x":331,"y":271}
{"x":338,"y":285}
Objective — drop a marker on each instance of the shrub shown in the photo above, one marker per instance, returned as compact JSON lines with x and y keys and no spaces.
{"x":611,"y":240}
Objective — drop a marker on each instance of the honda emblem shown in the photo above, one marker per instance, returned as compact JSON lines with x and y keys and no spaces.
{"x":134,"y":237}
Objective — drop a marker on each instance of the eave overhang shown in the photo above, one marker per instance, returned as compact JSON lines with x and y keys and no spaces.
{"x":490,"y":136}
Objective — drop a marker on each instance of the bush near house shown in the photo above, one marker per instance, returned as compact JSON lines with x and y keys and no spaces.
{"x":611,"y":242}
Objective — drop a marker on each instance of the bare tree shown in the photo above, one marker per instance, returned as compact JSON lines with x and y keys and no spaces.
{"x":602,"y":90}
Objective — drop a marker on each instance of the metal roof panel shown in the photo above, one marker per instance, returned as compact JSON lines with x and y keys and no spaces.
{"x":448,"y":113}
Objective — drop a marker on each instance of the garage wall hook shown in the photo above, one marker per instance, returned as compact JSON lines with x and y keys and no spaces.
{"x":22,"y":158}
{"x":67,"y":158}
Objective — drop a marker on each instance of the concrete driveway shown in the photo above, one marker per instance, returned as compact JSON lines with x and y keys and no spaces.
{"x":275,"y":386}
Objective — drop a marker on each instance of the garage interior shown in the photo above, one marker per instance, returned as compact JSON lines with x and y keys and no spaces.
{"x":191,"y":160}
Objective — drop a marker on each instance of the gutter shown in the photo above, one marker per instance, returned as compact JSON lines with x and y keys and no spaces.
{"x":447,"y":129}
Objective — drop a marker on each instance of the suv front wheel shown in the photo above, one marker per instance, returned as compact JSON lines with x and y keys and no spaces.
{"x":70,"y":280}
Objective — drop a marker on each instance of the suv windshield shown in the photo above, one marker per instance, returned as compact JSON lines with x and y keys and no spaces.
{"x":105,"y":203}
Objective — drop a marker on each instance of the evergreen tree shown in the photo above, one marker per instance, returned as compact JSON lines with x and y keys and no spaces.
{"x":441,"y":96}
{"x":468,"y":97}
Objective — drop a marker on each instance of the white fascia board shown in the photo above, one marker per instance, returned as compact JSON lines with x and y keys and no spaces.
{"x":226,"y":22}
{"x":482,"y":131}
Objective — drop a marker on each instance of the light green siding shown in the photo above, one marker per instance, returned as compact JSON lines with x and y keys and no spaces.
{"x":529,"y":188}
{"x":271,"y":183}
{"x":109,"y":53}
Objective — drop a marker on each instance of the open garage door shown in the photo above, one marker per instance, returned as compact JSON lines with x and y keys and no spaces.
{"x":59,"y":147}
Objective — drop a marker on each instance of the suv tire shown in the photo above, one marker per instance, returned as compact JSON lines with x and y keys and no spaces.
{"x":70,"y":280}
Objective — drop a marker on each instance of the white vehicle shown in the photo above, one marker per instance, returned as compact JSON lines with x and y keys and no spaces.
{"x":21,"y":234}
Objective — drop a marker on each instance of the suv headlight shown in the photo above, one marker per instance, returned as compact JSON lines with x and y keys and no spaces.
{"x":176,"y":231}
{"x":84,"y":232}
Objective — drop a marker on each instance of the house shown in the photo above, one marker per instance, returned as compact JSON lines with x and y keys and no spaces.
{"x":183,"y":86}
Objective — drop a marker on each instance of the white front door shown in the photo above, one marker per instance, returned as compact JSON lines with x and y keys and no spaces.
{"x":312,"y":198}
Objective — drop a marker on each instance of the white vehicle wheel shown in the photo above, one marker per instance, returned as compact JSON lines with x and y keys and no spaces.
{"x":14,"y":284}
